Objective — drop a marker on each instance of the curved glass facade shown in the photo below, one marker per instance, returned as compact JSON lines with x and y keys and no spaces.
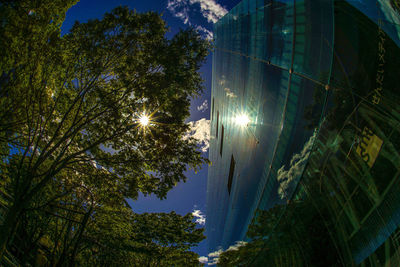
{"x":317,"y":80}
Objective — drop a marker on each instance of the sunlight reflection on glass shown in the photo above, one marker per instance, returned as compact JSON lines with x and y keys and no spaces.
{"x":242,"y":120}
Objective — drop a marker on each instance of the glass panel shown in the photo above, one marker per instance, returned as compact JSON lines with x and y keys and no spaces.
{"x":244,"y":34}
{"x":259,"y":49}
{"x":304,"y":108}
{"x":362,"y":203}
{"x":384,"y":13}
{"x":316,"y":165}
{"x":280,"y":33}
{"x":314,"y":39}
{"x":252,"y":6}
{"x":243,"y":8}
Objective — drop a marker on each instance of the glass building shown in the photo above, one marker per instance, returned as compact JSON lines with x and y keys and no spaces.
{"x":305,"y":132}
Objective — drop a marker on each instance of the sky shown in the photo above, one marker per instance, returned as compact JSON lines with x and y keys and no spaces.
{"x":179,"y":14}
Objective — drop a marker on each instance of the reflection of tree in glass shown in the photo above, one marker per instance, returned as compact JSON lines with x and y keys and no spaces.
{"x":360,"y":56}
{"x":395,"y":5}
{"x":312,"y":112}
{"x":287,"y":235}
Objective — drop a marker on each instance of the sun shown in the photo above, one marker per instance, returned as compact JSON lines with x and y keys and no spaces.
{"x":144,"y":120}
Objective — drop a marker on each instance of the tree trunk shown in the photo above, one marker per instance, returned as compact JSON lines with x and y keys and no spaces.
{"x":79,"y":236}
{"x":66,"y":246}
{"x":9,"y":225}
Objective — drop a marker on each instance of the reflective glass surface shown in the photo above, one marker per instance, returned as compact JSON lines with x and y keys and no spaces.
{"x":316,"y":177}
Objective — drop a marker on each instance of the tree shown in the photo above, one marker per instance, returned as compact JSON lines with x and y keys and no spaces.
{"x":29,"y":30}
{"x":78,"y":110}
{"x":149,"y":239}
{"x":111,"y":235}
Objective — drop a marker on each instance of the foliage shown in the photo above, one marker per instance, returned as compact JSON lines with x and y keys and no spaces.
{"x":151,"y":239}
{"x":59,"y":236}
{"x":72,"y":148}
{"x":27,"y":28}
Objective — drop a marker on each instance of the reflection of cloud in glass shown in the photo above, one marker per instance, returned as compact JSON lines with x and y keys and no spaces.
{"x":229,"y":93}
{"x":288,"y":179}
{"x":222,"y":81}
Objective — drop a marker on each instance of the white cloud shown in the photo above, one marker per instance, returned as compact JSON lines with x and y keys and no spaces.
{"x":200,"y":130}
{"x":200,"y":217}
{"x":205,"y":33}
{"x":237,"y":245}
{"x":215,"y":253}
{"x":203,"y":107}
{"x":203,"y":259}
{"x":183,"y":15}
{"x":179,"y":9}
{"x":214,"y":256}
{"x":288,"y":179}
{"x":209,"y":9}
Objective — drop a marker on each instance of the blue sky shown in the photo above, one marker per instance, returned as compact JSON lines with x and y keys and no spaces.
{"x":179,"y":14}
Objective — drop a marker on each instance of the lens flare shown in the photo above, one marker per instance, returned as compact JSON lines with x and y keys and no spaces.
{"x":144,"y":120}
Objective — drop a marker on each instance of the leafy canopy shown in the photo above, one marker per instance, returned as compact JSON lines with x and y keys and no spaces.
{"x":70,"y":109}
